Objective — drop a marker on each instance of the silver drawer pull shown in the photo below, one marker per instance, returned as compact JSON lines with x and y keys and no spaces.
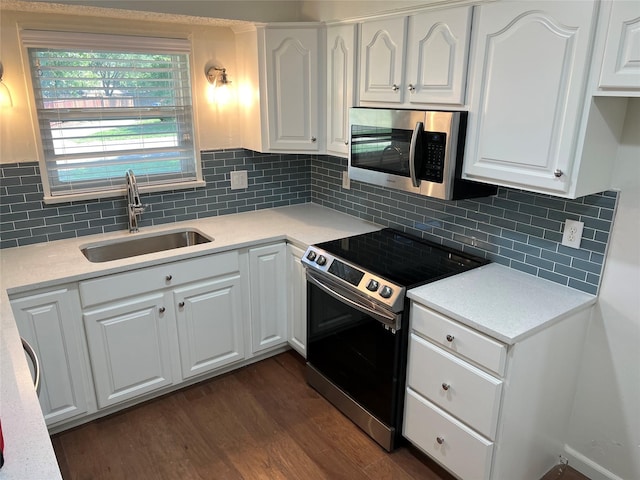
{"x":161,"y":309}
{"x":168,"y":278}
{"x":445,"y":386}
{"x":395,"y":87}
{"x":181,"y":304}
{"x":450,"y":338}
{"x":440,"y":440}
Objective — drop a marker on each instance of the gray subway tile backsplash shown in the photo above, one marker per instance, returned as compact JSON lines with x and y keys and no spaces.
{"x":521,"y":230}
{"x":21,"y":198}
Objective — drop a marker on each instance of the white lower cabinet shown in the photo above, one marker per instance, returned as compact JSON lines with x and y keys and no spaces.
{"x":130,"y":343}
{"x":449,"y":441}
{"x":487,"y":410}
{"x":267,"y":275}
{"x":210,"y":324}
{"x":50,"y":320}
{"x":109,"y":341}
{"x":174,"y":322}
{"x":297,"y":300}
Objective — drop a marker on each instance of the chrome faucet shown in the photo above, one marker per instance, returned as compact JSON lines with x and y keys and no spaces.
{"x":134,"y":205}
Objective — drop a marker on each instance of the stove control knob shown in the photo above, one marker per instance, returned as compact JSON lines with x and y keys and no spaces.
{"x":372,"y":285}
{"x":311,"y":255}
{"x":321,"y":260}
{"x":386,"y":292}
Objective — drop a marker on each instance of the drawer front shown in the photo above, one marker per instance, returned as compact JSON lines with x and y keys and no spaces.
{"x":457,"y":338}
{"x":456,"y":386}
{"x":136,"y":282}
{"x":446,"y":440}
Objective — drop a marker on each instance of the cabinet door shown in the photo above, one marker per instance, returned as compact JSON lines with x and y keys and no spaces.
{"x":51,"y":322}
{"x":447,"y":440}
{"x":268,"y":297}
{"x":621,"y":64}
{"x":209,"y":320}
{"x":130,"y":347}
{"x":528,"y":89}
{"x":382,"y":49}
{"x":292,"y":88}
{"x":340,"y":85}
{"x":437,"y":54}
{"x":297,"y":300}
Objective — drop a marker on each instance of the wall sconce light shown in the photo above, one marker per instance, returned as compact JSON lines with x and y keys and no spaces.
{"x":5,"y":94}
{"x":218,"y":91}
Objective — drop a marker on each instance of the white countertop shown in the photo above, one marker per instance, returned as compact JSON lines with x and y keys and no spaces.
{"x":504,"y":303}
{"x":28,"y":450}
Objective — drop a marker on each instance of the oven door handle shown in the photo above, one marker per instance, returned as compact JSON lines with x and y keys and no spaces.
{"x":391,"y":320}
{"x":415,"y":153}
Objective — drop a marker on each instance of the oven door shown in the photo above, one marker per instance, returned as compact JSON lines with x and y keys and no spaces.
{"x":355,"y":349}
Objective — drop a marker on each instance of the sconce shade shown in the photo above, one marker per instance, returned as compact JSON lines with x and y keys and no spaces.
{"x":5,"y":94}
{"x":218,"y":91}
{"x":217,"y":76}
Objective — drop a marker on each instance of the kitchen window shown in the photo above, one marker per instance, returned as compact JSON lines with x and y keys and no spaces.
{"x":109,"y":103}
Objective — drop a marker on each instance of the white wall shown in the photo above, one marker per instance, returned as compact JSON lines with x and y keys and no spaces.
{"x":604,"y":437}
{"x":250,"y":10}
{"x":216,"y":126}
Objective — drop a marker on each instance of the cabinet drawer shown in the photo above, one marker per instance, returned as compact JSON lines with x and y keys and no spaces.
{"x":136,"y":282}
{"x":442,"y":437}
{"x":455,"y":337}
{"x":461,"y":389}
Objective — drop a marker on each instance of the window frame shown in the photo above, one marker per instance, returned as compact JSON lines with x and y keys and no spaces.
{"x":39,"y":38}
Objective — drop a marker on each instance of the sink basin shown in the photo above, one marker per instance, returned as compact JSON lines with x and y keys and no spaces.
{"x":118,"y":249}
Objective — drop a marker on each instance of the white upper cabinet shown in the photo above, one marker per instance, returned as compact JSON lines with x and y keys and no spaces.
{"x":621,"y":62}
{"x":278,"y":87}
{"x":291,"y":62}
{"x":527,"y":83}
{"x":437,"y":54}
{"x":382,"y":60}
{"x":341,"y":57}
{"x":417,"y":59}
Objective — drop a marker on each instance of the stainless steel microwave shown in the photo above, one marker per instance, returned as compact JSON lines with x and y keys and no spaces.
{"x":414,"y":151}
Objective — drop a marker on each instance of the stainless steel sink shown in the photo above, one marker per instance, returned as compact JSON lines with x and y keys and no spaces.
{"x":118,"y":249}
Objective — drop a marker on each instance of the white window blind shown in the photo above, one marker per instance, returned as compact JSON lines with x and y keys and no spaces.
{"x":110,"y":103}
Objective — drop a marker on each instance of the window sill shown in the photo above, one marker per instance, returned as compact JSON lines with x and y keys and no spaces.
{"x":121,"y":192}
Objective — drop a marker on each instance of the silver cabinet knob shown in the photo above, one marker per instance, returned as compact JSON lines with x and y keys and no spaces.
{"x":161,"y":309}
{"x":558,"y":173}
{"x":395,"y":88}
{"x":440,"y":440}
{"x":411,"y":88}
{"x":168,"y":278}
{"x":313,"y":139}
{"x":181,"y":305}
{"x":450,"y":338}
{"x":445,"y":386}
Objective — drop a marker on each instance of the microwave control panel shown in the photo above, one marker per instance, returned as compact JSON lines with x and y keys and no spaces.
{"x":433,"y":156}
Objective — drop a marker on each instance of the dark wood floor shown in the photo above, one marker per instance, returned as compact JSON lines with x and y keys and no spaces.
{"x":259,"y":422}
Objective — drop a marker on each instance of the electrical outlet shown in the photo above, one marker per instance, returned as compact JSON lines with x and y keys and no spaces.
{"x":572,"y":233}
{"x":346,"y":181}
{"x":239,"y":180}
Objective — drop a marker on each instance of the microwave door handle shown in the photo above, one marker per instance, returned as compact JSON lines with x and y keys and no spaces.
{"x":415,"y":154}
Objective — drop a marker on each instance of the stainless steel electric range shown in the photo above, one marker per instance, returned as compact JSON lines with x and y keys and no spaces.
{"x":358,"y":317}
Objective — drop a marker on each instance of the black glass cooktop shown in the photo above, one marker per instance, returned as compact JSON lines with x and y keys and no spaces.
{"x":404,"y":259}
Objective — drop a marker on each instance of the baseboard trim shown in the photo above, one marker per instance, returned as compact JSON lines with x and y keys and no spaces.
{"x":587,"y":466}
